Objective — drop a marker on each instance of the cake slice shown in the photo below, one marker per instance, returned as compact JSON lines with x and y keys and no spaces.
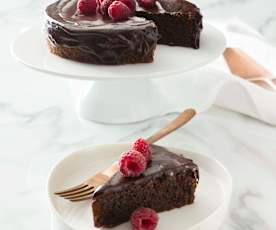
{"x":168,"y":182}
{"x":179,"y":22}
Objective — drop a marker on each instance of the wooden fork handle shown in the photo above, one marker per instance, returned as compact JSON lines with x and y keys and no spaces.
{"x":181,"y":119}
{"x":109,"y":172}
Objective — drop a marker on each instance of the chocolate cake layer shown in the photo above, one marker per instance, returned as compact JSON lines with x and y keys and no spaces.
{"x":179,"y":22}
{"x":95,"y":39}
{"x":168,"y":182}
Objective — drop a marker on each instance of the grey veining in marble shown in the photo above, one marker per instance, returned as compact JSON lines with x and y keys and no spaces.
{"x":38,"y":125}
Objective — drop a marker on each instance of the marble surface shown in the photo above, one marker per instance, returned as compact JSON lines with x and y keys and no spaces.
{"x":38,"y":125}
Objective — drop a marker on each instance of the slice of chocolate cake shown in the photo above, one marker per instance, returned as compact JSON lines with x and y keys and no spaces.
{"x":168,"y":182}
{"x":179,"y":22}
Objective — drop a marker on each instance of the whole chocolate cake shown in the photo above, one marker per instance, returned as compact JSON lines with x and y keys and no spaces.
{"x":168,"y":182}
{"x":98,"y":39}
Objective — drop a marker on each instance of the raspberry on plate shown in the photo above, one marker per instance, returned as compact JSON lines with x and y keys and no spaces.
{"x":87,"y":7}
{"x":142,"y":146}
{"x":118,"y":11}
{"x":144,"y":219}
{"x":132,"y":163}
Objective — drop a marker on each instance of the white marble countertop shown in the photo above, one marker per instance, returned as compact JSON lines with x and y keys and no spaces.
{"x":38,"y":125}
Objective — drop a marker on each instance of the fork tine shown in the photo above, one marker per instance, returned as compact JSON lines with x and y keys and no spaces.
{"x":81,"y":194}
{"x":81,"y":198}
{"x":76,"y":191}
{"x":72,"y":189}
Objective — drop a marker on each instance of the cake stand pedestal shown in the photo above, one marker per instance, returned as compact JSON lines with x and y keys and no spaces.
{"x":114,"y":101}
{"x":126,"y":93}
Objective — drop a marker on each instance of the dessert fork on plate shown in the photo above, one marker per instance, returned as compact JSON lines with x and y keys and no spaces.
{"x":85,"y":190}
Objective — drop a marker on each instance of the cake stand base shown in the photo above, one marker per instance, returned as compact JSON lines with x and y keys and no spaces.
{"x":121,"y":102}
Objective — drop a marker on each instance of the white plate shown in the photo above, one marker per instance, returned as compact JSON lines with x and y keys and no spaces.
{"x":208,"y":211}
{"x":30,"y":48}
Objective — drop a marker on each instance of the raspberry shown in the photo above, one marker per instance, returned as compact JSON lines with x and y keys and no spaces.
{"x":142,"y":146}
{"x":119,"y":11}
{"x":144,"y":219}
{"x":87,"y":7}
{"x":147,"y":3}
{"x":104,"y":6}
{"x":131,"y":4}
{"x":132,"y":163}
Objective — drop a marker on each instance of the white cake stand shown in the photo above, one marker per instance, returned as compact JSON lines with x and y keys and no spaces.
{"x":120,"y":94}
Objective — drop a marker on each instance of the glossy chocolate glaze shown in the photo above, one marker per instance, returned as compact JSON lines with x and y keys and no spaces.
{"x":163,"y":162}
{"x":173,"y":6}
{"x":65,"y":13}
{"x":105,"y":41}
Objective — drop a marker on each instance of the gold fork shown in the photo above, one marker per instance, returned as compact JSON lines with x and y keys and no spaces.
{"x":86,"y":189}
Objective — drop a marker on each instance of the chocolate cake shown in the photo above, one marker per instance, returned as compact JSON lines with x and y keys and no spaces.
{"x":98,"y":40}
{"x":168,"y":182}
{"x":179,"y":22}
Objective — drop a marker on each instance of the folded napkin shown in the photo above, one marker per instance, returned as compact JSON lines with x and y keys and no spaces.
{"x":240,"y":95}
{"x":215,"y":85}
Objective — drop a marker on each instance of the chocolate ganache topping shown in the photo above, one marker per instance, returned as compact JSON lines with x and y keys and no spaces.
{"x":172,"y":6}
{"x":179,"y":6}
{"x":97,"y":39}
{"x":163,"y":161}
{"x":65,"y":13}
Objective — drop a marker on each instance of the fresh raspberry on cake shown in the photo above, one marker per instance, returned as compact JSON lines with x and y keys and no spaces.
{"x":104,"y":6}
{"x":87,"y":7}
{"x":147,"y":3}
{"x":118,"y":11}
{"x":144,"y":219}
{"x":142,"y":146}
{"x":132,"y":163}
{"x":131,"y":4}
